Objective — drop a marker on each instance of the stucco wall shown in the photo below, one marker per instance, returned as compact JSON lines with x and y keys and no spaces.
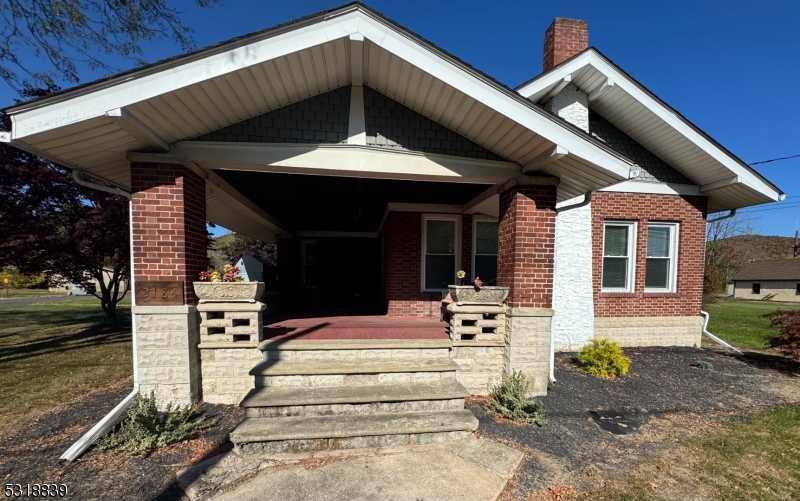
{"x":785,"y":291}
{"x":571,"y":104}
{"x":573,"y":320}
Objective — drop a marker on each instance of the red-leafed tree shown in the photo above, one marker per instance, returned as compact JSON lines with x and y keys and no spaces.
{"x":50,"y":224}
{"x":788,"y":341}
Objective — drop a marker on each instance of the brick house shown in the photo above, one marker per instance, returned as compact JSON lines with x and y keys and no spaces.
{"x":381,"y":165}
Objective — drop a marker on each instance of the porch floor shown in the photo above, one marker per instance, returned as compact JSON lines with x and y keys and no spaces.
{"x":320,"y":326}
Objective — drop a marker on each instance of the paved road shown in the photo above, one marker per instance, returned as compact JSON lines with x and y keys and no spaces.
{"x":41,"y":299}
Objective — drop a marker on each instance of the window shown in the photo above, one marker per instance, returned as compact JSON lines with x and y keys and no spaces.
{"x":797,"y":290}
{"x":661,"y":264}
{"x":618,"y":256}
{"x":484,"y":250}
{"x":439,"y":249}
{"x":310,"y":263}
{"x":756,"y":289}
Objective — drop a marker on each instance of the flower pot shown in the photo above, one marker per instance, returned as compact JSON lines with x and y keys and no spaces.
{"x":469,"y":294}
{"x":229,"y":291}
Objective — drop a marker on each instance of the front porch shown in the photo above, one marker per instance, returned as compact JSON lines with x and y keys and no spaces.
{"x":330,"y":326}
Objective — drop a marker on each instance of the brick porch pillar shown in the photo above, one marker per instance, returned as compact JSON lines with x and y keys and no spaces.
{"x":169,"y":244}
{"x":525,"y":258}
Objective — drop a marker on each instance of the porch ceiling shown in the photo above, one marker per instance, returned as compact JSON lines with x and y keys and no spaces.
{"x":340,"y":204}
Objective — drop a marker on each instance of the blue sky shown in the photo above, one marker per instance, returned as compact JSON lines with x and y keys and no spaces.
{"x":732,"y":68}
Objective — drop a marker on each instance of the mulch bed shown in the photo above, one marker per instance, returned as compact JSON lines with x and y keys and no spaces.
{"x":662,"y":400}
{"x":31,"y":452}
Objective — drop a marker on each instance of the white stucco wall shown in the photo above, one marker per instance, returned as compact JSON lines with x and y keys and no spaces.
{"x":572,"y":282}
{"x":572,"y":105}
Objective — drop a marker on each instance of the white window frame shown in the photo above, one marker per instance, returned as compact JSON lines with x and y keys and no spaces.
{"x":303,"y":245}
{"x":457,"y":261}
{"x":674,"y":235}
{"x":475,"y":220}
{"x":632,"y":236}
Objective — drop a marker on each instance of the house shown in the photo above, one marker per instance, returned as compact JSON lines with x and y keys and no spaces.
{"x":778,"y":279}
{"x":381,"y":165}
{"x":94,"y":287}
{"x":254,"y":269}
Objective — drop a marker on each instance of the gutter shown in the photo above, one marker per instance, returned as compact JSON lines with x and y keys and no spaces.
{"x":715,"y":338}
{"x":111,"y":418}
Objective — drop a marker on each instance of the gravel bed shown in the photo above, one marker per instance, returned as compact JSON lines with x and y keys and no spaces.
{"x":661,"y":389}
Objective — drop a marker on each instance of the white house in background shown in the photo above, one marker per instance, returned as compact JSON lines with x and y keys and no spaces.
{"x":71,"y":289}
{"x":253,"y":269}
{"x":764,"y":278}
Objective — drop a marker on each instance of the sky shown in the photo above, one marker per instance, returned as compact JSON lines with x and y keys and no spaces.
{"x":731,"y":68}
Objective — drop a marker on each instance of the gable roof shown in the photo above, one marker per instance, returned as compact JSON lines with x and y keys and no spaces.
{"x":727,"y":180}
{"x":776,"y":269}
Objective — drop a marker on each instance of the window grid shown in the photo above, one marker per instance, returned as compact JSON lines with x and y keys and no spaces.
{"x":654,"y":255}
{"x":456,"y":220}
{"x":612,"y":251}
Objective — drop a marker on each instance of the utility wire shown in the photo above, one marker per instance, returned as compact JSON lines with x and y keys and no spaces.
{"x":789,"y":206}
{"x":774,"y":160}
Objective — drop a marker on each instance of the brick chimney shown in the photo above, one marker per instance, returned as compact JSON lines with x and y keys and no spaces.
{"x":563,"y":39}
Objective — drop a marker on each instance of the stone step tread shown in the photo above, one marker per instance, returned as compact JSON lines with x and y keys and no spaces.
{"x":272,"y":396}
{"x":353,"y":344}
{"x":360,"y":366}
{"x":343,"y":426}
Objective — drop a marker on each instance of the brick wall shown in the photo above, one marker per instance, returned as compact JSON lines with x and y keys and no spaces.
{"x":169,"y":224}
{"x":402,"y":268}
{"x":690,"y":212}
{"x":526,"y":244}
{"x":563,"y":39}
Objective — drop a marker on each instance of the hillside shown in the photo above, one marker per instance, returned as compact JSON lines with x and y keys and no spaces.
{"x":761,"y":247}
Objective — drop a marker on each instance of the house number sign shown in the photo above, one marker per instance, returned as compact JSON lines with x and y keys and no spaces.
{"x":159,"y":293}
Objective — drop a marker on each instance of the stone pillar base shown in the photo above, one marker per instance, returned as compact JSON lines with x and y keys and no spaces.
{"x":233,"y":322}
{"x":167,"y":356}
{"x":528,"y":345}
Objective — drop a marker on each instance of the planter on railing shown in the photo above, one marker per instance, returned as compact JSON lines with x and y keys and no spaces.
{"x":469,"y":294}
{"x":229,"y":291}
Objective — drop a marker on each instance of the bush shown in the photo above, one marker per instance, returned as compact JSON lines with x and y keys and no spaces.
{"x":146,"y":429}
{"x":510,"y":400}
{"x":788,"y":341}
{"x":603,"y":358}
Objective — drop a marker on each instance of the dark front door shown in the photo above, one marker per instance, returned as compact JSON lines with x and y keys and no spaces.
{"x":346,"y":273}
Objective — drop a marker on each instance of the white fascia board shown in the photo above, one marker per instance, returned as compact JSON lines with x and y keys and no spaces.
{"x":553,"y":77}
{"x":345,"y":160}
{"x":654,"y":188}
{"x":161,"y":79}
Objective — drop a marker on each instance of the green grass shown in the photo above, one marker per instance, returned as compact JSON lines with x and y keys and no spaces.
{"x":741,"y":323}
{"x":15,"y":293}
{"x":51,"y":353}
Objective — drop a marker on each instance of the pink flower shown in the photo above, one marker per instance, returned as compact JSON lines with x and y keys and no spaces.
{"x":203,"y":276}
{"x":478,"y":282}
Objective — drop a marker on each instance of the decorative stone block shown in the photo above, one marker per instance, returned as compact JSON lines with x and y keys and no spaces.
{"x":231,"y":322}
{"x":477,"y":322}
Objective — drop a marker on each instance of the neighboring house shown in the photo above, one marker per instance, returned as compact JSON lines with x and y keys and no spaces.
{"x":254,"y":269}
{"x":381,"y":165}
{"x":778,"y":278}
{"x":94,"y":287}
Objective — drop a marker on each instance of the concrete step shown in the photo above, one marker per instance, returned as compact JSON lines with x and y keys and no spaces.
{"x":371,"y":399}
{"x":355,"y":349}
{"x":296,"y":373}
{"x":316,"y":433}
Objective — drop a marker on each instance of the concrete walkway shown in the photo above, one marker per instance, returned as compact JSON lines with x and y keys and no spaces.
{"x":473,"y":469}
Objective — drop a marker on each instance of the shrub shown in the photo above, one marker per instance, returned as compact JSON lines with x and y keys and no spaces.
{"x":145,"y":428}
{"x":510,"y":400}
{"x":788,"y":341}
{"x":603,"y":358}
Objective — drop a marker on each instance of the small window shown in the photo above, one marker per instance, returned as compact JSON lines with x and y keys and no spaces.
{"x":484,"y":251}
{"x":661,"y":265}
{"x":618,"y":256}
{"x":310,"y":263}
{"x":797,"y":290}
{"x":756,"y":288}
{"x":439,"y":248}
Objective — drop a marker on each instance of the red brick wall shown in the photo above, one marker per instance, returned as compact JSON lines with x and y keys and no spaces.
{"x":402,"y":268}
{"x":563,"y":39}
{"x":690,"y":212}
{"x":526,"y":244}
{"x":169,"y":224}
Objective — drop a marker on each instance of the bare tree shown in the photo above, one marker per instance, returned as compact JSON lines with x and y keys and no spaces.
{"x":723,"y":258}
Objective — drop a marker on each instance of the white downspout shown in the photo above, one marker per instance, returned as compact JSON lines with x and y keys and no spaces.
{"x":108,"y":421}
{"x":715,"y":338}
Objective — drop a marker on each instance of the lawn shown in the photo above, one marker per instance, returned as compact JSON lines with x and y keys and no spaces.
{"x":17,"y":293}
{"x":53,"y":352}
{"x":741,"y":322}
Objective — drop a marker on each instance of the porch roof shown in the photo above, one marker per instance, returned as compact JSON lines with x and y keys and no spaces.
{"x":102,"y":127}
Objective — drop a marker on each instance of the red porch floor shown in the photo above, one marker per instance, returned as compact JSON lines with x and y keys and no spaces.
{"x":298,"y":326}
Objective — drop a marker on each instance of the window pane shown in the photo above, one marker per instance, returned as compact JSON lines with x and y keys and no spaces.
{"x":441,"y":237}
{"x":615,"y":272}
{"x":440,"y":271}
{"x":658,"y":241}
{"x":657,"y":273}
{"x":311,"y":253}
{"x":486,"y":268}
{"x":616,"y":241}
{"x":485,"y":238}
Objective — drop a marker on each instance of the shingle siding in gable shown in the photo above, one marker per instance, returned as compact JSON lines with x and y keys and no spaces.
{"x":393,"y":125}
{"x":319,"y":119}
{"x":651,"y":167}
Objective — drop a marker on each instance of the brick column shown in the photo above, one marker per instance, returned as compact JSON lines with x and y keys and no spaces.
{"x":169,"y":243}
{"x":525,"y":258}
